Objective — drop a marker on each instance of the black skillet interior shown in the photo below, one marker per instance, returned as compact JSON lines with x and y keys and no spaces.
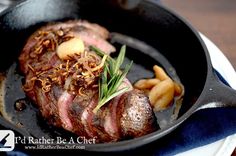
{"x":163,"y":31}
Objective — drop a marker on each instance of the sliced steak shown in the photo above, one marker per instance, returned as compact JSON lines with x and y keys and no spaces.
{"x":66,"y":91}
{"x":80,"y":113}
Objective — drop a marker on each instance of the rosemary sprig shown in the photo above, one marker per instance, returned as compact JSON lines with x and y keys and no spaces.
{"x":111,"y":77}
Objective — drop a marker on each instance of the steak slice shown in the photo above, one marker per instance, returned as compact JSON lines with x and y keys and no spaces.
{"x":136,"y":116}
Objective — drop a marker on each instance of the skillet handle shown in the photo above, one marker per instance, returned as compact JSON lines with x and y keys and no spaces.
{"x":217,"y":94}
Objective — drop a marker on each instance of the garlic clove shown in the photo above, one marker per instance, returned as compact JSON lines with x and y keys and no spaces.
{"x":70,"y":47}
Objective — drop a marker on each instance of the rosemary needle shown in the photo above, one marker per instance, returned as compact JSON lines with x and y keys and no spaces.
{"x":111,"y":77}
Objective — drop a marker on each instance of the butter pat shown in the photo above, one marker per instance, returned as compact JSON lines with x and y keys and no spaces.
{"x":70,"y":47}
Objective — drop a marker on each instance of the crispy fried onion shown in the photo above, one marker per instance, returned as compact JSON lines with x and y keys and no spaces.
{"x":75,"y":75}
{"x":45,"y":69}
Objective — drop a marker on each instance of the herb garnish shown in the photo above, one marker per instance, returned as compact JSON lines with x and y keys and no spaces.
{"x":111,"y":77}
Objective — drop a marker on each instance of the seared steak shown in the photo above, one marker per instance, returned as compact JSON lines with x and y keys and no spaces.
{"x":66,"y":91}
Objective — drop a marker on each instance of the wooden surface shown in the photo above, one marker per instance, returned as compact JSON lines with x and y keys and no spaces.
{"x":214,"y":18}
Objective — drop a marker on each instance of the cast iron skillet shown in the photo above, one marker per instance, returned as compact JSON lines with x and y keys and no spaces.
{"x":154,"y":35}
